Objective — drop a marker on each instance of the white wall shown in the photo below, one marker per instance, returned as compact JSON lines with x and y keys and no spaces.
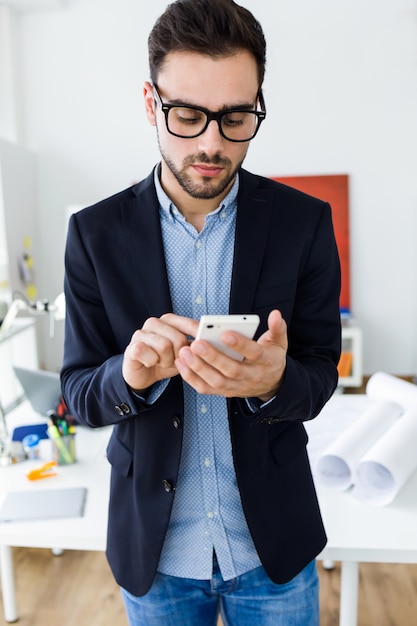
{"x":341,"y":94}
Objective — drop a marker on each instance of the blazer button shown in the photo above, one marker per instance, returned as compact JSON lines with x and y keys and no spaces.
{"x":125,"y":408}
{"x":270,"y":420}
{"x":167,"y":486}
{"x":177,"y":422}
{"x":118,"y":410}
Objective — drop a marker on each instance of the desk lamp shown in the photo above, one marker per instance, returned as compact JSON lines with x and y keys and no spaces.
{"x":56,"y":311}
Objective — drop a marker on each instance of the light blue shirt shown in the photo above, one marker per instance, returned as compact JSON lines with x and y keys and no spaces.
{"x":207,"y":511}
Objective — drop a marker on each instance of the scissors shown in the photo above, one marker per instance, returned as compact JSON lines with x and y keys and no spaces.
{"x":44,"y":471}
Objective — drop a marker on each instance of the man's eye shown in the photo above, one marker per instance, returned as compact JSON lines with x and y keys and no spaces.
{"x":235,"y":119}
{"x":188,"y":116}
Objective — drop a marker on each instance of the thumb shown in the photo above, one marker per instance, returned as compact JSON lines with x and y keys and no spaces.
{"x":277,"y":330}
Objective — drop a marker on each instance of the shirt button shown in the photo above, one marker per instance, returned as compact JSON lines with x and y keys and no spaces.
{"x":210,"y":514}
{"x":198,"y":244}
{"x":203,"y":409}
{"x":199,"y":300}
{"x":207,"y":462}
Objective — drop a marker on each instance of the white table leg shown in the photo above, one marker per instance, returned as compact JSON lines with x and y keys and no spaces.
{"x":7,"y":583}
{"x":349,"y":583}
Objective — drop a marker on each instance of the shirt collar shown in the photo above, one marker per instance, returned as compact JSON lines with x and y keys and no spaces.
{"x":168,"y":207}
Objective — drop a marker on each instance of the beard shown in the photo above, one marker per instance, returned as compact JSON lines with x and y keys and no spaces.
{"x":206,"y":189}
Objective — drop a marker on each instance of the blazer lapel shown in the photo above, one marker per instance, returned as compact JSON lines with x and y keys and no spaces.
{"x":252,"y":229}
{"x":140,"y":217}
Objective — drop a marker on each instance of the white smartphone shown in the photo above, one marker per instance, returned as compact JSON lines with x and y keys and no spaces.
{"x":212,"y":327}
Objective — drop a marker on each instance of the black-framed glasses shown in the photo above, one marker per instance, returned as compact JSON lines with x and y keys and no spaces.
{"x":187,"y":122}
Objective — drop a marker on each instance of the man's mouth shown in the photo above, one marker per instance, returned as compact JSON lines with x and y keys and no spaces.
{"x":209,"y":171}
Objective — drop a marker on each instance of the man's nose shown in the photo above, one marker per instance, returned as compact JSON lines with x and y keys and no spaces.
{"x":211,"y":141}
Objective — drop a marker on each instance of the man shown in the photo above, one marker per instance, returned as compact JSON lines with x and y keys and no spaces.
{"x":212,"y":503}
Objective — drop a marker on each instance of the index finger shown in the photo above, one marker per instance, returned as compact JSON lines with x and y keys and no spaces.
{"x":185,"y":325}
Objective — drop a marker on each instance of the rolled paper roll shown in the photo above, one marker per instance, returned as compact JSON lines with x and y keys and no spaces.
{"x":386,"y":467}
{"x":336,"y":467}
{"x":383,"y":386}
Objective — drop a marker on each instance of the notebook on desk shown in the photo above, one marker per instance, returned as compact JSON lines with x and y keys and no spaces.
{"x":42,"y":388}
{"x":19,"y":506}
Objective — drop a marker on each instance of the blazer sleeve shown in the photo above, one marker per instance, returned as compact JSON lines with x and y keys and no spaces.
{"x":98,"y":326}
{"x":314,"y":332}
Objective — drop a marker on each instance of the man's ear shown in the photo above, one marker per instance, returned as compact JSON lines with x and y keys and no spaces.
{"x":149,"y":103}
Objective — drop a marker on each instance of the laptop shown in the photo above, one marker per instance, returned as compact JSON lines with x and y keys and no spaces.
{"x":19,"y":506}
{"x":42,"y":388}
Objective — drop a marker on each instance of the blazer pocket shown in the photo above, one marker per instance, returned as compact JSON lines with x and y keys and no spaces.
{"x":120,"y":457}
{"x":287,"y":445}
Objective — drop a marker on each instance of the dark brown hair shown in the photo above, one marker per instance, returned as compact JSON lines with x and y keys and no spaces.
{"x":212,"y":27}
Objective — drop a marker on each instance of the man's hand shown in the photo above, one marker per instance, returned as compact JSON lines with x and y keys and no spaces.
{"x":259,"y":375}
{"x":153,"y":350}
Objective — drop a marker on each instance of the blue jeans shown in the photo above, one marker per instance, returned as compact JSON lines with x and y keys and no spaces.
{"x":248,"y":600}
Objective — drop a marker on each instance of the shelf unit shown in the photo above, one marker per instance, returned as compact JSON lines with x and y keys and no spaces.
{"x":18,"y":347}
{"x":352,"y":356}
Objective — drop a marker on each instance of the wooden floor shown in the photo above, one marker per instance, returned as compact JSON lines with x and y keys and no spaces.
{"x":77,"y":589}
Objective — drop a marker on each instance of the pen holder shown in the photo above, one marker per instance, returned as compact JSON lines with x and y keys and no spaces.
{"x":63,"y":449}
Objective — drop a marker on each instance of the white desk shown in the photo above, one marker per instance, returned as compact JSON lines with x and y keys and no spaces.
{"x":92,"y":470}
{"x":356,"y":532}
{"x":359,"y":532}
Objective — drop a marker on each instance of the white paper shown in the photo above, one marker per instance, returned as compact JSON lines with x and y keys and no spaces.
{"x":386,"y":467}
{"x":336,"y":416}
{"x":383,"y":386}
{"x":337,"y":465}
{"x":373,"y":448}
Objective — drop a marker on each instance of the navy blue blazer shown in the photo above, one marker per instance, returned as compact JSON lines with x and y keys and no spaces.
{"x":285,"y":258}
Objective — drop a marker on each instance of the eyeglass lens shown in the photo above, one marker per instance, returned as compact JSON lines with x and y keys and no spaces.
{"x":189,"y":122}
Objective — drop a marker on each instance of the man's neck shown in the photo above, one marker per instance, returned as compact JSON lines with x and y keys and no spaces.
{"x":194,"y":210}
